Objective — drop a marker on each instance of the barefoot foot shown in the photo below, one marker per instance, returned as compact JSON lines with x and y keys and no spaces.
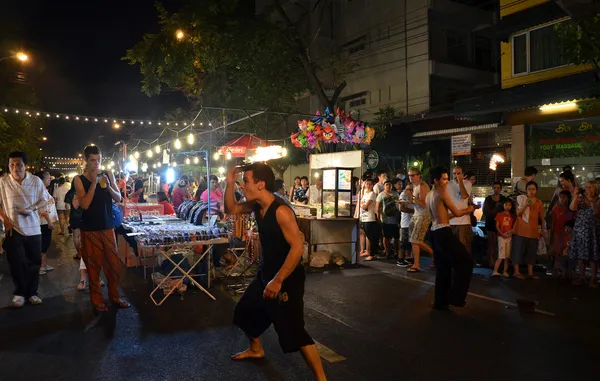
{"x":249,"y":354}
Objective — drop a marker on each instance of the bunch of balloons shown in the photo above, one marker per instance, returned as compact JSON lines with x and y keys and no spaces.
{"x":329,"y":128}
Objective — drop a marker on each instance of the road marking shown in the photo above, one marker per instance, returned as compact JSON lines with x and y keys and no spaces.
{"x":328,"y":354}
{"x":500,"y":301}
{"x":332,"y":318}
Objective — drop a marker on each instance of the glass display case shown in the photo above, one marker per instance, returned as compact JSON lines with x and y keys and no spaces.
{"x":337,"y":193}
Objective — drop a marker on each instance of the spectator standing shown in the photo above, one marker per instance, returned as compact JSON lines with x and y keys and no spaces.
{"x":61,"y":206}
{"x":460,"y":192}
{"x":527,"y":232}
{"x":21,"y":196}
{"x":301,"y":194}
{"x":216,"y":195}
{"x":179,"y":194}
{"x":292,"y":191}
{"x":368,"y":220}
{"x":164,"y":201}
{"x":315,"y":192}
{"x":382,"y":177}
{"x":280,"y":192}
{"x":138,"y":189}
{"x":48,"y":216}
{"x":561,"y":214}
{"x":584,"y":246}
{"x":504,"y":226}
{"x":566,"y":182}
{"x":407,"y":209}
{"x":421,"y":219}
{"x":493,"y":205}
{"x":96,"y":191}
{"x":386,"y":207}
{"x":520,"y":188}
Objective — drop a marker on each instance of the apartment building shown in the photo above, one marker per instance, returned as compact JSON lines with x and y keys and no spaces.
{"x":544,"y":99}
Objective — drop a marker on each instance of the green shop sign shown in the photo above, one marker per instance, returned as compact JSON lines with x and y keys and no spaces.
{"x":570,"y":139}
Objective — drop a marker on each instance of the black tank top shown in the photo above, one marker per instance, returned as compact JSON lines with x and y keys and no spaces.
{"x":274,"y":246}
{"x":99,"y":215}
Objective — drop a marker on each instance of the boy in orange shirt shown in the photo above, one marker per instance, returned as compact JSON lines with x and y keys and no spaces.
{"x":504,"y":225}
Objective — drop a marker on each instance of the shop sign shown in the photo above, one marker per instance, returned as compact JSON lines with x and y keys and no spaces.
{"x":461,"y":145}
{"x":574,"y":139}
{"x":372,"y":159}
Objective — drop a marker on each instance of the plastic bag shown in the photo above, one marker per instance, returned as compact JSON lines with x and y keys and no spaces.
{"x":542,"y":247}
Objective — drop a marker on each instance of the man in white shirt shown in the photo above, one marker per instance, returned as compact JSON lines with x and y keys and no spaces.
{"x":21,"y":195}
{"x":381,"y":179}
{"x":315,"y":193}
{"x":460,"y":193}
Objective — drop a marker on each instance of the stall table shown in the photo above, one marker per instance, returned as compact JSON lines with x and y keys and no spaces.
{"x":333,"y":234}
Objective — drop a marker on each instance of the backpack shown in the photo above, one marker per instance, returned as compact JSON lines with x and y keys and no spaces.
{"x":390,"y":207}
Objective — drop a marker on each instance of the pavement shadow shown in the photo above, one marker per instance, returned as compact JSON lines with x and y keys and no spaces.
{"x":193,"y":311}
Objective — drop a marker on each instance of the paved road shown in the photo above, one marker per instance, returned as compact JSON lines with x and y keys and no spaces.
{"x":377,"y":320}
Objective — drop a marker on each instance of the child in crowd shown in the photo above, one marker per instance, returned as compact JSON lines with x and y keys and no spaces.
{"x":561,"y":262}
{"x":504,"y":225}
{"x":561,"y":214}
{"x":407,"y":211}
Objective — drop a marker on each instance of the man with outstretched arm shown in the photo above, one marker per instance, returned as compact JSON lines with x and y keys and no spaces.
{"x":275,"y":296}
{"x":450,"y":287}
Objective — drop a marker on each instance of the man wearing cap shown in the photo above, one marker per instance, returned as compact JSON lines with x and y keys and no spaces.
{"x":275,"y":296}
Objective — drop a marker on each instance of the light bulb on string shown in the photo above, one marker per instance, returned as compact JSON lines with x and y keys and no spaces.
{"x":159,"y":164}
{"x":157,"y":149}
{"x":187,"y":161}
{"x":228,"y":155}
{"x":149,"y":153}
{"x":196,"y":160}
{"x":284,"y":152}
{"x":174,"y":164}
{"x":177,"y":144}
{"x":190,"y":138}
{"x":216,"y":156}
{"x":136,"y":154}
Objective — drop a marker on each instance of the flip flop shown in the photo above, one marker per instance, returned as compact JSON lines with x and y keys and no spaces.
{"x":413,"y":270}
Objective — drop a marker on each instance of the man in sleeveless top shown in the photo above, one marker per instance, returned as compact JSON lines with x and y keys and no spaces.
{"x":275,"y":296}
{"x":449,"y":253}
{"x":420,"y":220}
{"x":96,"y":191}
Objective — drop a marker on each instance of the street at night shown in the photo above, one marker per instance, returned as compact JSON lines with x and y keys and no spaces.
{"x":300,"y":190}
{"x":376,"y":323}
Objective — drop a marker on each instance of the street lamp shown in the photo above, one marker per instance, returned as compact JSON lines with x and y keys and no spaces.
{"x":20,"y":56}
{"x":179,"y":35}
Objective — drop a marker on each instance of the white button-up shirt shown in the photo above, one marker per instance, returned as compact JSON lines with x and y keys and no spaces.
{"x":28,"y":194}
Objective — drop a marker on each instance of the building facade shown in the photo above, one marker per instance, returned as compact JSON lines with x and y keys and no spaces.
{"x":544,"y":101}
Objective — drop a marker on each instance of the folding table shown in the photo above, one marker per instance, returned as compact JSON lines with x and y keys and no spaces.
{"x":166,"y":251}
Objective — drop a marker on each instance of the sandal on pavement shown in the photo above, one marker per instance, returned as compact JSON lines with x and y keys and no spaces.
{"x":82,"y":285}
{"x":413,"y":270}
{"x":122,"y":304}
{"x":370,"y":258}
{"x":520,"y":276}
{"x":496,"y":275}
{"x":364,"y":254}
{"x":533,"y":276}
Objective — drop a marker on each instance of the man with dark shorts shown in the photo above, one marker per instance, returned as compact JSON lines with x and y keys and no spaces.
{"x":275,"y":296}
{"x":453,"y":261}
{"x":387,"y":212}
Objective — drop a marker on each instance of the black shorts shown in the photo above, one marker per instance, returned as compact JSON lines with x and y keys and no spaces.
{"x":46,"y":238}
{"x":254,"y":314}
{"x":391,"y":231}
{"x":372,"y":230}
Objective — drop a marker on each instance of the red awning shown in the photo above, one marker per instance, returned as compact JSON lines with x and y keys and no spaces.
{"x":238,"y":146}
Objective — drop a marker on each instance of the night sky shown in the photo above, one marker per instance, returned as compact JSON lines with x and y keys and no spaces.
{"x":77,"y":49}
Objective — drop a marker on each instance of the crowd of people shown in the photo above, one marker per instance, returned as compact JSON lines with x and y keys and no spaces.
{"x":395,"y":217}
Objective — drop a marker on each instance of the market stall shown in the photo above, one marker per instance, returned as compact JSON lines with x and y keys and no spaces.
{"x":328,"y":224}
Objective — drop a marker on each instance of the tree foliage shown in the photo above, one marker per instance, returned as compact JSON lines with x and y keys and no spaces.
{"x":227,"y":55}
{"x":580,"y":41}
{"x":230,"y":56}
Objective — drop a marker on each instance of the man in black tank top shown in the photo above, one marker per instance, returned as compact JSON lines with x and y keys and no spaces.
{"x":275,"y":296}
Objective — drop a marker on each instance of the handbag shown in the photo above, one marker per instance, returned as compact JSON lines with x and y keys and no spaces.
{"x":117,"y":215}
